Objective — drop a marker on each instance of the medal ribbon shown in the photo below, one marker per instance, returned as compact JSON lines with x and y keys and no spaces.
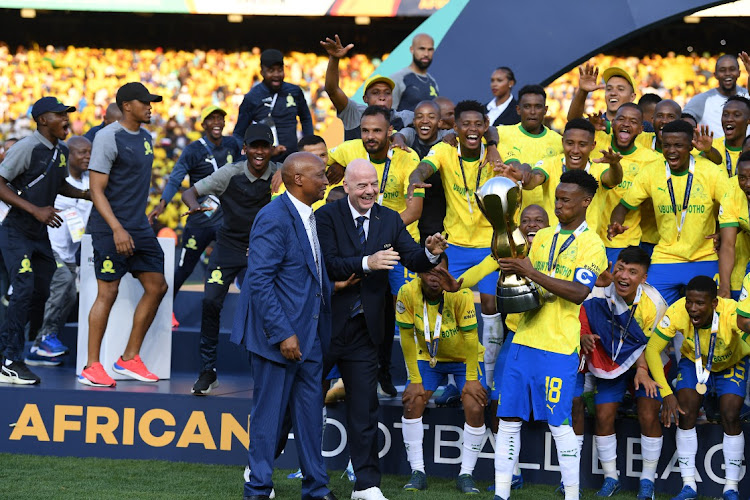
{"x":552,"y":261}
{"x":386,"y":169}
{"x":463,"y":174}
{"x":680,"y":220}
{"x":703,"y":373}
{"x":624,"y":333}
{"x":588,"y":167}
{"x":728,"y":159}
{"x":432,"y":339}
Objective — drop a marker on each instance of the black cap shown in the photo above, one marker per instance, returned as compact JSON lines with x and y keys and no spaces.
{"x":258,"y":132}
{"x":135,"y":91}
{"x":49,"y":105}
{"x":269,"y":57}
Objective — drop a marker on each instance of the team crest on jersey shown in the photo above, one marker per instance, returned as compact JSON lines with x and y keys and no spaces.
{"x":147,"y":148}
{"x":216,"y":277}
{"x":230,"y":159}
{"x":431,"y":153}
{"x":550,"y":152}
{"x":25,"y":265}
{"x":433,"y":92}
{"x":192,"y":244}
{"x":700,"y":191}
{"x":665,"y":322}
{"x":631,"y":168}
{"x":572,"y":252}
{"x":290,"y":101}
{"x":400,"y":307}
{"x":63,"y":161}
{"x":743,"y":295}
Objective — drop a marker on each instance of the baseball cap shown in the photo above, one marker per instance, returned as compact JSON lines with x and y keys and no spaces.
{"x":258,"y":132}
{"x":269,"y":57}
{"x":210,"y":109}
{"x":135,"y":91}
{"x":615,"y":71}
{"x":379,"y":79}
{"x":49,"y":104}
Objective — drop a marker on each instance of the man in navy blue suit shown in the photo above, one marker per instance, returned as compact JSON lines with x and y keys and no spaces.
{"x":360,"y":237}
{"x":284,"y":320}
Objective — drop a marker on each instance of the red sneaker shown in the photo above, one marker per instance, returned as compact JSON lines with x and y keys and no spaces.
{"x":96,"y":376}
{"x":175,"y":323}
{"x":134,"y":368}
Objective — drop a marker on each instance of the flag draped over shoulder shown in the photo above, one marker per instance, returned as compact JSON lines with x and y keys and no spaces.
{"x":596,"y":318}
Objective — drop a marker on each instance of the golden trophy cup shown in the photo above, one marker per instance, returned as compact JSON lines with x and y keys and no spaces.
{"x":499,"y":199}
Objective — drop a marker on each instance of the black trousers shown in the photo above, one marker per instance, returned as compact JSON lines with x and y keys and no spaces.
{"x":356,"y":356}
{"x":385,"y":349}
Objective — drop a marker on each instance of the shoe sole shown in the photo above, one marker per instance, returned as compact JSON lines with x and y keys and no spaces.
{"x":83,"y":380}
{"x":128,"y":373}
{"x":50,"y":354}
{"x":9,"y":379}
{"x":41,"y":362}
{"x":211,"y":387}
{"x":414,"y":489}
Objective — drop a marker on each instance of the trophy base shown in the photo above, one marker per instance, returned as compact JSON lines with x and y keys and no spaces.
{"x":517,"y":299}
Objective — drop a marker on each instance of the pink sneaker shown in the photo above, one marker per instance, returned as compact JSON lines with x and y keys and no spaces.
{"x":175,"y":323}
{"x":134,"y":368}
{"x":96,"y":376}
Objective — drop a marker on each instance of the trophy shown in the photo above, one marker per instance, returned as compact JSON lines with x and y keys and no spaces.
{"x":499,"y":199}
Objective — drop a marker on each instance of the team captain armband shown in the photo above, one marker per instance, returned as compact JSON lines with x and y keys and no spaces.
{"x":585,"y":276}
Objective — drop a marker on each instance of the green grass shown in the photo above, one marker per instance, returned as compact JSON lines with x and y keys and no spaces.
{"x":33,"y":477}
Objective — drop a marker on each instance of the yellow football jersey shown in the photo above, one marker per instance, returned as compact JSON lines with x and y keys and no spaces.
{"x":709,"y":184}
{"x":552,"y":168}
{"x":397,"y":184}
{"x":730,"y":347}
{"x":516,"y":144}
{"x":734,"y":213}
{"x":555,"y":326}
{"x":464,"y":223}
{"x":459,"y":341}
{"x":727,"y":153}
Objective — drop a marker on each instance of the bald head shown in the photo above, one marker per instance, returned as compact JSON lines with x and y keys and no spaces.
{"x":422,"y":39}
{"x":304,"y":177}
{"x":78,"y":141}
{"x":80,"y":154}
{"x":112,"y":114}
{"x":422,"y":49}
{"x":447,"y":114}
{"x":668,"y":104}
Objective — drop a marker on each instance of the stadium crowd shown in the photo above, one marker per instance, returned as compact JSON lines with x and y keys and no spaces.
{"x":633,"y":237}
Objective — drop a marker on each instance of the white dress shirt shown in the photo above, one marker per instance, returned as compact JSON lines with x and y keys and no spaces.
{"x":495,"y":110}
{"x":59,"y":237}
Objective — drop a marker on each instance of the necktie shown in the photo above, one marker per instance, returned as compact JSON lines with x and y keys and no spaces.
{"x":316,"y":246}
{"x":357,"y":306}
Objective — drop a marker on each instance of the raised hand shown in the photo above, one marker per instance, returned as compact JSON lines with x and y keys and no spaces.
{"x":335,"y":48}
{"x":416,"y":185}
{"x":614,"y":229}
{"x":745,"y":58}
{"x":598,"y":121}
{"x":703,"y":138}
{"x":446,"y":279}
{"x":588,"y":76}
{"x":611,"y":157}
{"x":436,"y":244}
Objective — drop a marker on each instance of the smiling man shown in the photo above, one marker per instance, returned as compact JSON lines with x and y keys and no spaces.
{"x":277,"y":104}
{"x":200,"y":159}
{"x":707,"y":106}
{"x":31,"y":175}
{"x":734,"y":230}
{"x":684,"y":191}
{"x":714,"y":354}
{"x":242,"y":188}
{"x":735,"y":118}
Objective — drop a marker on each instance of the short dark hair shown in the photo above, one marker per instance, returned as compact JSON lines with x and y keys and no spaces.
{"x":377,"y":110}
{"x":630,"y":105}
{"x":508,"y":71}
{"x":702,"y":284}
{"x":678,"y":126}
{"x":532,"y":89}
{"x":583,"y":179}
{"x":739,"y":98}
{"x":580,"y":124}
{"x":744,"y":157}
{"x":635,"y":255}
{"x":469,"y":105}
{"x":648,"y":99}
{"x":688,"y":116}
{"x":310,"y":140}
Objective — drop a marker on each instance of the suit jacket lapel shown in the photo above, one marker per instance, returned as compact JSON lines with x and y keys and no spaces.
{"x":349,"y":223}
{"x":304,"y":241}
{"x":372,"y":241}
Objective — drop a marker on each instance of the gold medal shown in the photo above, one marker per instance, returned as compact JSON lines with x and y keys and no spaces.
{"x":433,"y":363}
{"x":701,"y":388}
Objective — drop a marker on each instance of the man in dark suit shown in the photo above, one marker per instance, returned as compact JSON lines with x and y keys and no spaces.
{"x":360,"y":237}
{"x":284,"y":320}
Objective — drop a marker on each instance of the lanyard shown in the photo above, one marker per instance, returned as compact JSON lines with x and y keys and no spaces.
{"x":386,"y":169}
{"x":588,"y":167}
{"x":703,"y":373}
{"x":211,"y":159}
{"x":273,"y":103}
{"x":432,"y":338}
{"x":653,"y":142}
{"x":728,"y":159}
{"x":686,"y":199}
{"x":463,"y":174}
{"x":624,"y":333}
{"x":552,"y":264}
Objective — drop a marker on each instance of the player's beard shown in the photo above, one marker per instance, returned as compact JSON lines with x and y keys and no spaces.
{"x":419,"y":64}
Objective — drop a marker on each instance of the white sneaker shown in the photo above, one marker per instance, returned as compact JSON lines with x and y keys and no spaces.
{"x":246,"y":476}
{"x":372,"y":493}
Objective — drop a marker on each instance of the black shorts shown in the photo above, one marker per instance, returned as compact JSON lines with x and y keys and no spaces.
{"x":111,"y":266}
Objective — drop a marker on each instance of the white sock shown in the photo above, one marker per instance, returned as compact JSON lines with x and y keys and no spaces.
{"x":569,"y":457}
{"x":606,"y":448}
{"x":733,"y":449}
{"x":507,"y":449}
{"x":517,"y":469}
{"x":687,"y":447}
{"x":492,"y":340}
{"x":451,"y":379}
{"x":650,"y":451}
{"x":580,"y":442}
{"x":473,"y":437}
{"x":413,"y":432}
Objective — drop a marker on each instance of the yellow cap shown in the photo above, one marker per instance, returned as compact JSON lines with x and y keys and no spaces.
{"x":615,"y":71}
{"x":379,"y":79}
{"x":210,"y":109}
